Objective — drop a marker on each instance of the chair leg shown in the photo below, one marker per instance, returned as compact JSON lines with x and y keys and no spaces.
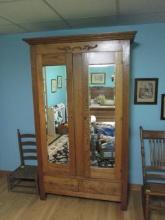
{"x":37,"y":185}
{"x":9,"y":183}
{"x":143,"y":199}
{"x":147,"y":208}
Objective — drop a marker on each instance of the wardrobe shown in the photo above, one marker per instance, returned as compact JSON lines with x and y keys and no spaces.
{"x":89,"y":158}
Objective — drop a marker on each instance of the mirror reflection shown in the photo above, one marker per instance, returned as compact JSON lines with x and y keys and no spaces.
{"x":55,"y":93}
{"x":102,"y":115}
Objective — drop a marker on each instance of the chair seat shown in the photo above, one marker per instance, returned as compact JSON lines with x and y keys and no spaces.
{"x":25,"y":177}
{"x":27,"y":171}
{"x":156,"y":189}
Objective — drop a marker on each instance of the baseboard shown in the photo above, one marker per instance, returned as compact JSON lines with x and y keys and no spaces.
{"x":135,"y":187}
{"x":4,"y":173}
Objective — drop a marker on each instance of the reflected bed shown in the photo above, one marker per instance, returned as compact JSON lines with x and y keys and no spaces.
{"x":103,"y":144}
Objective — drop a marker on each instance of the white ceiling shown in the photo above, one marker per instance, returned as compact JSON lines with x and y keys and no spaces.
{"x":18,"y":16}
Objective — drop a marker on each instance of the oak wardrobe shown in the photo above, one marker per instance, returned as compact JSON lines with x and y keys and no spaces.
{"x":81,"y":100}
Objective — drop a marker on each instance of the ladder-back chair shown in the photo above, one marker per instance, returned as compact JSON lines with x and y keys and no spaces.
{"x":153,"y":166}
{"x":25,"y":177}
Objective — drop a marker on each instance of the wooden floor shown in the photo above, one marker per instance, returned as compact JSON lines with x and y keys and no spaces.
{"x":18,"y":206}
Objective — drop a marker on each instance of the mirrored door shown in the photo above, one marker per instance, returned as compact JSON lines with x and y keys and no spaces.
{"x":101,"y":92}
{"x":56,"y":113}
{"x":104,"y":112}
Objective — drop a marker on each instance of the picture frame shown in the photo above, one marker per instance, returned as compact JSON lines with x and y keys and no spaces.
{"x":146,"y":90}
{"x":59,"y":81}
{"x":53,"y":85}
{"x":98,"y":78}
{"x":162,"y":116}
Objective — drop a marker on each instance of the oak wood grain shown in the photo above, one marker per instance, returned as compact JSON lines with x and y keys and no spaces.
{"x":71,"y":39}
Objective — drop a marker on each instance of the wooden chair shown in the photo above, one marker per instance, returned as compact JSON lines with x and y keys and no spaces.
{"x":25,"y":177}
{"x":153,"y":166}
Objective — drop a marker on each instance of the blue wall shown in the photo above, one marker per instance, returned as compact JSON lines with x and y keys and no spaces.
{"x":16,"y":109}
{"x":60,"y":96}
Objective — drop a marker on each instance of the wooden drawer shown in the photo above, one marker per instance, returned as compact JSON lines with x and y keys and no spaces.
{"x":55,"y":184}
{"x":100,"y":187}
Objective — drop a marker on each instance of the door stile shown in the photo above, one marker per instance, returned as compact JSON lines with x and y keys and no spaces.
{"x":36,"y":61}
{"x":71,"y":114}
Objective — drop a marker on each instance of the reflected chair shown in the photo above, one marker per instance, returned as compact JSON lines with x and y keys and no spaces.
{"x":25,"y":177}
{"x":153,"y":166}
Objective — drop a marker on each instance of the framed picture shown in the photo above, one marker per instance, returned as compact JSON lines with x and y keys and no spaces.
{"x":146,"y":90}
{"x":59,"y":81}
{"x":53,"y":85}
{"x":97,"y":78}
{"x":163,"y":107}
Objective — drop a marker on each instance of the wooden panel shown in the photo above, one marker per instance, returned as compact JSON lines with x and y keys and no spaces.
{"x":95,"y":189}
{"x":119,"y":147}
{"x":71,"y":113}
{"x":104,"y":173}
{"x":53,"y":59}
{"x":86,"y":117}
{"x":97,"y":90}
{"x":103,"y":114}
{"x":61,"y":184}
{"x":125,"y":128}
{"x":77,"y":48}
{"x":105,"y":58}
{"x":108,"y":36}
{"x":100,"y":187}
{"x":35,"y":66}
{"x":78,"y":106}
{"x":106,"y":197}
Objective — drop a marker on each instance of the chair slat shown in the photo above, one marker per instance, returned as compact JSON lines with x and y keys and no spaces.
{"x":162,"y":153}
{"x":149,"y":134}
{"x":155,"y":176}
{"x":29,"y":151}
{"x":155,"y":168}
{"x":27,"y":135}
{"x":28,"y":143}
{"x":30,"y":157}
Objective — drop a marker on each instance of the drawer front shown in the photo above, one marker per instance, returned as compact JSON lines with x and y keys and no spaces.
{"x":100,"y":187}
{"x":54,"y":184}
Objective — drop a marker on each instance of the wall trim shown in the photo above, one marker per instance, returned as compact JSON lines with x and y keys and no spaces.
{"x":4,"y":173}
{"x":135,"y":187}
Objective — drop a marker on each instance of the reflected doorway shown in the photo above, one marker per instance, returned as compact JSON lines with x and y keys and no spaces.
{"x":56,"y":113}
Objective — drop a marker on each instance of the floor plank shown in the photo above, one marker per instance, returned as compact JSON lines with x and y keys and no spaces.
{"x":19,"y":206}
